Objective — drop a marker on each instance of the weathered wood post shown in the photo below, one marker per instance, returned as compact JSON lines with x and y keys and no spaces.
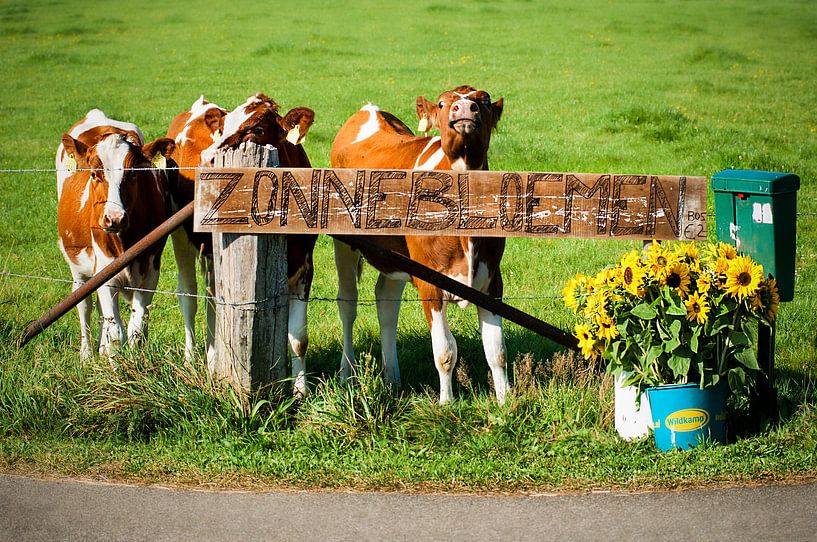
{"x":252,"y":297}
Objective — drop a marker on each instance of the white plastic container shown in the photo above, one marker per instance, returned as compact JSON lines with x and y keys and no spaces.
{"x":631,"y":422}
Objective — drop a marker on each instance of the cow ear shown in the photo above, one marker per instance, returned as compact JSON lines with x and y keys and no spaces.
{"x":297,"y":122}
{"x":214,"y":119}
{"x":496,"y":109}
{"x":427,"y":113}
{"x":158,"y":151}
{"x":76,"y":152}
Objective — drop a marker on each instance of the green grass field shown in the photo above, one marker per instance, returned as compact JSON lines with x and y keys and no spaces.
{"x":623,"y":87}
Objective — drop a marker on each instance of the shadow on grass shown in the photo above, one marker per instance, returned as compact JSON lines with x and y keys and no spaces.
{"x":417,"y":369}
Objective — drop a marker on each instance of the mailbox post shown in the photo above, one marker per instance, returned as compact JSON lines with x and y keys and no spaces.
{"x":756,"y":211}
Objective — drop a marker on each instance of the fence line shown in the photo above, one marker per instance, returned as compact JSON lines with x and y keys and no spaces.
{"x":310,"y":299}
{"x":220,"y":302}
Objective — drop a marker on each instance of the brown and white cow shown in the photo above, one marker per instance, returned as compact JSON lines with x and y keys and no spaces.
{"x":258,"y":121}
{"x":193,"y":131}
{"x":110,"y":196}
{"x":373,"y":138}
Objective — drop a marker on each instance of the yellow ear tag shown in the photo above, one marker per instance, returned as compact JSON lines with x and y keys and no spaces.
{"x":294,"y":135}
{"x":159,"y":161}
{"x":423,"y":126}
{"x":71,"y":163}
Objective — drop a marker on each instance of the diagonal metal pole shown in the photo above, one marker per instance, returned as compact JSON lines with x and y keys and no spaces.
{"x":106,"y":274}
{"x":415,"y":269}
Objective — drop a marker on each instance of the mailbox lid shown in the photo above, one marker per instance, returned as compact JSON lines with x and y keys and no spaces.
{"x":753,"y":182}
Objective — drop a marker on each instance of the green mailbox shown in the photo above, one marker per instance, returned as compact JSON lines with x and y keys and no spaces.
{"x":756,"y":211}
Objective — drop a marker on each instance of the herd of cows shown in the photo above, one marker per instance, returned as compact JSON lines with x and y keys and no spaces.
{"x":113,"y":188}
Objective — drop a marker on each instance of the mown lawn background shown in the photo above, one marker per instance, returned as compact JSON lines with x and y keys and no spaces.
{"x":622,"y":87}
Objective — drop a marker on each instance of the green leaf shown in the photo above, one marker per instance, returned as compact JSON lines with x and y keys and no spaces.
{"x":737,"y":379}
{"x":644,"y":311}
{"x":739,"y":338}
{"x":746,"y":356}
{"x":653,"y":354}
{"x":676,"y":310}
{"x":693,"y":341}
{"x":679,"y":365}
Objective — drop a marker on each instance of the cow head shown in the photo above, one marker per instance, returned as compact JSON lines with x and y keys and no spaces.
{"x":465,"y":117}
{"x":258,"y":121}
{"x":117,"y":167}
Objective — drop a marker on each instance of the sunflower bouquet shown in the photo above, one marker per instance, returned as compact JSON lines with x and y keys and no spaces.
{"x":675,"y":313}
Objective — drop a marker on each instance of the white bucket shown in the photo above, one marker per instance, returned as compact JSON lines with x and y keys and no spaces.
{"x":631,"y":422}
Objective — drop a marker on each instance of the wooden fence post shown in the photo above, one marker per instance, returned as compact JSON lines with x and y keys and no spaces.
{"x":252,"y":297}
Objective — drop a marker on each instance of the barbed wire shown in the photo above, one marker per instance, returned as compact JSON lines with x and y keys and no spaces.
{"x":221,"y":302}
{"x":310,"y":299}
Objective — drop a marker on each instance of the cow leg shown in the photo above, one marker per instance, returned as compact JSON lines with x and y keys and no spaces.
{"x":493,"y":342}
{"x":209,"y":273}
{"x":388,"y":293}
{"x":140,"y":303}
{"x":347,"y":262}
{"x":112,"y":329}
{"x":298,"y":338}
{"x":443,"y":343}
{"x":84,"y":308}
{"x":186,"y":288}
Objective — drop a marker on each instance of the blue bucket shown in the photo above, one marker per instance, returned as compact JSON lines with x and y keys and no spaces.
{"x":684,"y":415}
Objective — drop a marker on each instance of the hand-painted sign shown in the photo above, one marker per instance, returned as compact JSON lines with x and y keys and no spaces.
{"x":459,"y":203}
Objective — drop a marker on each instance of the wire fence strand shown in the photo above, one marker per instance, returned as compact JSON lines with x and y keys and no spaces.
{"x":310,"y":299}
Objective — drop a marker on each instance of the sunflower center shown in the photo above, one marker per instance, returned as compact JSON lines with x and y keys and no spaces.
{"x":673,"y":280}
{"x":628,"y":276}
{"x":662,"y":260}
{"x":696,"y":308}
{"x":744,"y":279}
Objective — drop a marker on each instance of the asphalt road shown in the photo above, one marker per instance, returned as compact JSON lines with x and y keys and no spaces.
{"x":33,"y":509}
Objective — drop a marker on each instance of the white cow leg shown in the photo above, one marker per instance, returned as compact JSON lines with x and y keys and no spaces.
{"x":346,"y":264}
{"x":186,"y":288}
{"x":140,"y":306}
{"x":208,"y":270}
{"x":493,"y":342}
{"x":389,"y":293}
{"x":298,"y":341}
{"x":445,"y":351}
{"x":84,"y":308}
{"x":112,"y":329}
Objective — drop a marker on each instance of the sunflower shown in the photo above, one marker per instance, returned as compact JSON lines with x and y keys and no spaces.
{"x":659,"y":258}
{"x":597,"y":304}
{"x":697,"y":308}
{"x":569,"y":293}
{"x":605,"y":277}
{"x":688,"y":251}
{"x":767,"y":300}
{"x":743,"y":277}
{"x":726,"y":251}
{"x":607,"y":328}
{"x":677,"y":277}
{"x":703,"y":283}
{"x":773,"y":300}
{"x":587,"y":343}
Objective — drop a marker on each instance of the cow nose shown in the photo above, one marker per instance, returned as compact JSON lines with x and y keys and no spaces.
{"x":464,"y":116}
{"x":114,"y":221}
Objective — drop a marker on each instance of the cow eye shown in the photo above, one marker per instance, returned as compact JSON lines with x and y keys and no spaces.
{"x":93,"y":176}
{"x":441,"y":104}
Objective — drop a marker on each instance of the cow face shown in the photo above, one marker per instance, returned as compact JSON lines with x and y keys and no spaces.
{"x":258,"y":121}
{"x":116,"y":167}
{"x":465,"y":117}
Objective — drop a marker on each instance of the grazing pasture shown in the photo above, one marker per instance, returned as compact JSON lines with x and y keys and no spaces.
{"x":629,"y":87}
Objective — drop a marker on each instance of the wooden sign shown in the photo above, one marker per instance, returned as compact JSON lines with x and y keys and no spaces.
{"x":457,"y":203}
